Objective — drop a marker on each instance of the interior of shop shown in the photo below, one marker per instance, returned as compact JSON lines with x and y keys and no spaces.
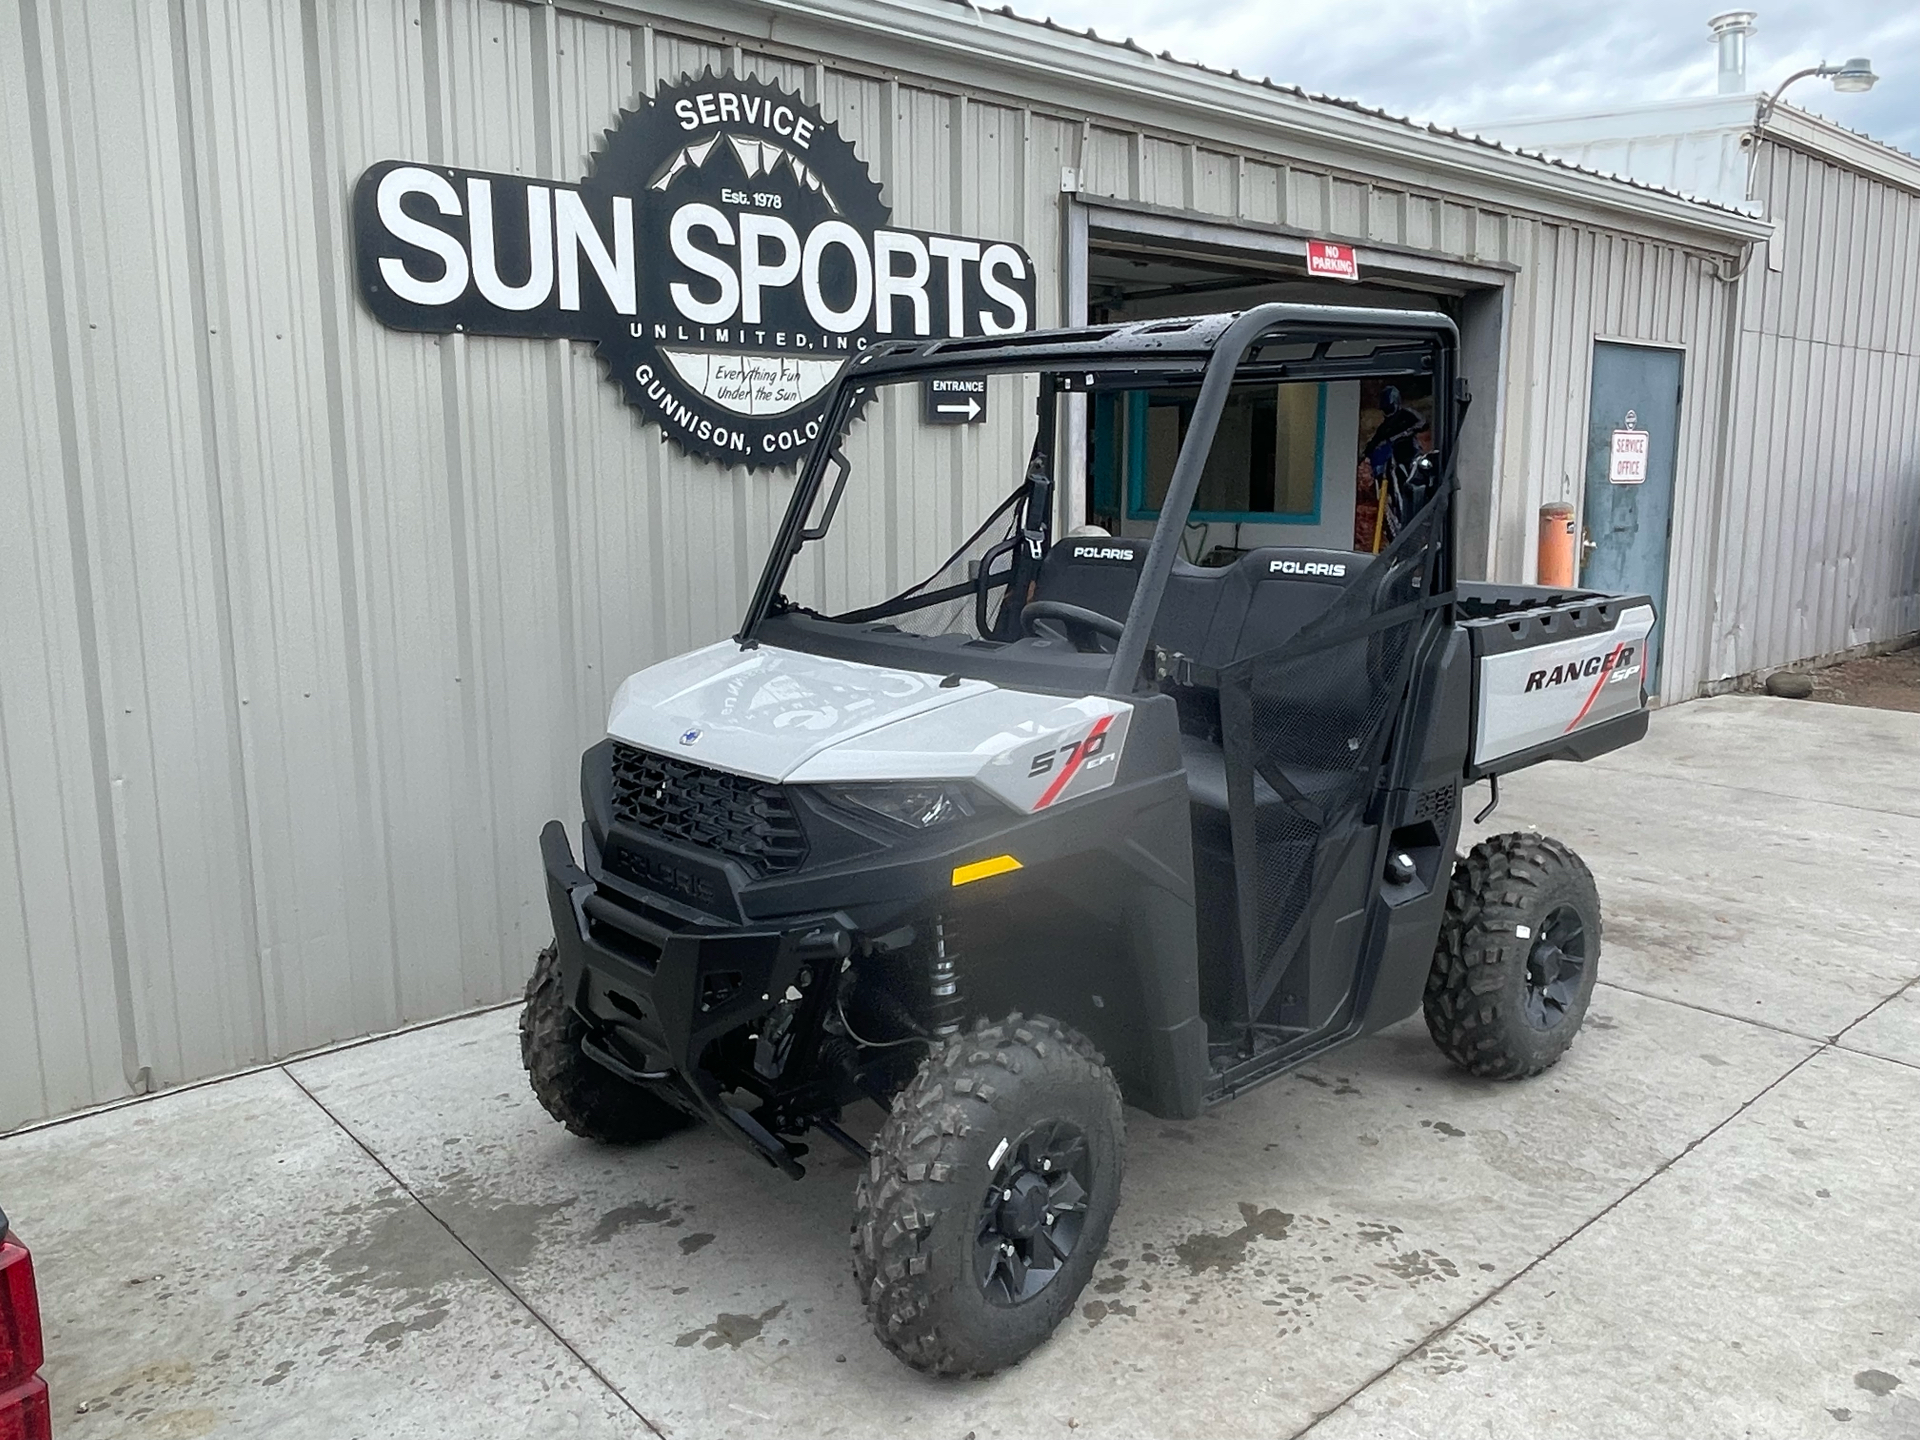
{"x":1292,"y":464}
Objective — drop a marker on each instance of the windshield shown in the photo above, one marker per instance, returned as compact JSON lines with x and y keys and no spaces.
{"x":940,"y":502}
{"x":928,"y":488}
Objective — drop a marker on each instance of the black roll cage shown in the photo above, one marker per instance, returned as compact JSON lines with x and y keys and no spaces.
{"x":1133,"y":355}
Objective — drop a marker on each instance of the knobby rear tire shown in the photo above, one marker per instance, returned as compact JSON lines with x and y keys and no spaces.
{"x":1502,"y":894}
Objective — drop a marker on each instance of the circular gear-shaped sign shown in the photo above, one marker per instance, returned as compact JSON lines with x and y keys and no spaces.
{"x":727,"y":254}
{"x":744,"y":207}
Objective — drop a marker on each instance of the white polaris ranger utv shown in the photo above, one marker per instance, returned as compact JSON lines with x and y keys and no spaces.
{"x":1070,"y":819}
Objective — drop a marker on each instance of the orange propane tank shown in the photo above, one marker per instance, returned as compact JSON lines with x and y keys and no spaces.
{"x":1556,"y":545}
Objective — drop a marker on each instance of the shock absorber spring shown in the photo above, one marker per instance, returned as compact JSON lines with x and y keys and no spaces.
{"x":944,"y":993}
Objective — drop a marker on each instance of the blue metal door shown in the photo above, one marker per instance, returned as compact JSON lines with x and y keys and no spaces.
{"x":1629,"y":497}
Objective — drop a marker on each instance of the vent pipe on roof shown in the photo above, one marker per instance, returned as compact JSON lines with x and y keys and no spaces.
{"x":1730,"y":32}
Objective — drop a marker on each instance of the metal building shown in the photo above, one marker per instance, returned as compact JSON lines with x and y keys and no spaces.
{"x":1820,"y":548}
{"x":1817,"y":540}
{"x":307,"y":619}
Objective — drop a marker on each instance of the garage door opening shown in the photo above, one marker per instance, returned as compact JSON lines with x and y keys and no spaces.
{"x":1292,"y":465}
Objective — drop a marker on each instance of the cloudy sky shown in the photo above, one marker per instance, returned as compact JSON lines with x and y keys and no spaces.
{"x":1492,"y":59}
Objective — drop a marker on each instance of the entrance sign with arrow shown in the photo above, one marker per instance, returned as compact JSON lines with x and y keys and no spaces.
{"x":954,"y":400}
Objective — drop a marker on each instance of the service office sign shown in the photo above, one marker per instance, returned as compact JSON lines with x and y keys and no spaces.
{"x":727,"y":254}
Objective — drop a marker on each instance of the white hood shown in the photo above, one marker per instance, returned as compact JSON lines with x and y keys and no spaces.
{"x":764,"y":712}
{"x":783,"y":715}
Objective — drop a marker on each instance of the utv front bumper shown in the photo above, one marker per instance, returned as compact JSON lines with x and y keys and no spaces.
{"x":709,"y":972}
{"x":657,"y":990}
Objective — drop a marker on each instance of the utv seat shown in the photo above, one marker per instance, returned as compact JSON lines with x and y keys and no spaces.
{"x":1288,"y":588}
{"x":1251,"y":608}
{"x":1095,"y":572}
{"x":1256,"y":604}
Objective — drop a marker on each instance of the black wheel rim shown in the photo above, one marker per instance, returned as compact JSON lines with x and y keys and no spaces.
{"x":1555,"y":967}
{"x":1033,"y":1213}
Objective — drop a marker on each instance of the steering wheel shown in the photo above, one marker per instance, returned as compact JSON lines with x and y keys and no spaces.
{"x":1071,"y":623}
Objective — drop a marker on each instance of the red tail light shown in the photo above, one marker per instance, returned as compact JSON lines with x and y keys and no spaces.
{"x":24,"y":1412}
{"x":20,"y":1353}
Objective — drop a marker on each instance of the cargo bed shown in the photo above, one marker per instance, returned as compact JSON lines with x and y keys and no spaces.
{"x":1557,"y":674}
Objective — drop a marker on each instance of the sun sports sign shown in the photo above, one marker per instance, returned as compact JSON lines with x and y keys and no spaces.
{"x":727,"y":254}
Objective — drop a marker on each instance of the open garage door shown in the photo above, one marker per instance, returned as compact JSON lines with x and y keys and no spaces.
{"x":1290,"y":468}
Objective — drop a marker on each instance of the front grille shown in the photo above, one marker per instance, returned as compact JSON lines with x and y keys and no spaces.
{"x":747,"y":819}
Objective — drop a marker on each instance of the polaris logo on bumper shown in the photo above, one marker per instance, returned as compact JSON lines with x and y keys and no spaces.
{"x":671,"y":877}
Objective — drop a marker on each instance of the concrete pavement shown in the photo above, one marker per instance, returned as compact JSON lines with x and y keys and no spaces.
{"x":1701,"y":1222}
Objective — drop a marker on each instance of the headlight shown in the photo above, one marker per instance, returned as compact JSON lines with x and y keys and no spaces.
{"x":922,"y":804}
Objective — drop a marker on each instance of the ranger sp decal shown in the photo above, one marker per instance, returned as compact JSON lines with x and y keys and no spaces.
{"x":1536,"y":694}
{"x":1613,"y":667}
{"x":1609,"y":665}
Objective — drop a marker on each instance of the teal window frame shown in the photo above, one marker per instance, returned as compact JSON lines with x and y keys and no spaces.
{"x":1105,"y":466}
{"x":1136,"y":473}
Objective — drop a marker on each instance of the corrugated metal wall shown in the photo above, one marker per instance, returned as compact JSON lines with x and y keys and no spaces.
{"x":1822,"y":536}
{"x":1575,"y":285}
{"x":1571,"y":283}
{"x":307,"y":621}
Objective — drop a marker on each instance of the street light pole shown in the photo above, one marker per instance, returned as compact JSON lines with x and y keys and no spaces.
{"x":1849,"y":79}
{"x":1853,"y":78}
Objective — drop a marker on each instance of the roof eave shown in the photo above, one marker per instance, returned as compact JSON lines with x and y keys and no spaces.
{"x":1054,"y":69}
{"x":1376,"y":144}
{"x":1820,"y":136}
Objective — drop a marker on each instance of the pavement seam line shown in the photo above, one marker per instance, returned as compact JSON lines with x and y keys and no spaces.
{"x":1438,"y":1331}
{"x":1835,"y":1040}
{"x":1877,"y":1007}
{"x":1728,"y":1014}
{"x":1876,"y":1055}
{"x":1753,"y":790}
{"x":478,"y":1258}
{"x":299,"y":1057}
{"x":1875,"y":1010}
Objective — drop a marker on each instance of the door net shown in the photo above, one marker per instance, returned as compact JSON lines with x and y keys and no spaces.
{"x":1305,"y":729}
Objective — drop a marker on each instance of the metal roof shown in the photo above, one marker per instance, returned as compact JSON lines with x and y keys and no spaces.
{"x":1700,"y":139}
{"x":1049,"y":67}
{"x":1355,"y":107}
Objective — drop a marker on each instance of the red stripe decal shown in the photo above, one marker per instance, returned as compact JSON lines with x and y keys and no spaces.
{"x":1073,"y":766}
{"x":1606,"y":669}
